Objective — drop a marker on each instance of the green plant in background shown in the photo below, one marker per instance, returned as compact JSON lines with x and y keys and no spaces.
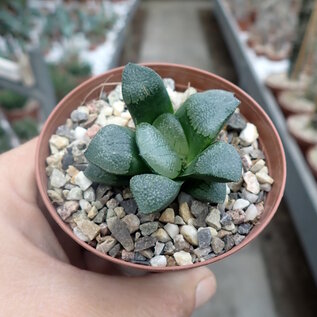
{"x":10,"y":100}
{"x":25,"y":129}
{"x":167,"y":150}
{"x":63,"y":82}
{"x":4,"y":141}
{"x":77,"y":68}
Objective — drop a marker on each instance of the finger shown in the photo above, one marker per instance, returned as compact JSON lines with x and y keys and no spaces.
{"x":175,"y":294}
{"x":17,"y":171}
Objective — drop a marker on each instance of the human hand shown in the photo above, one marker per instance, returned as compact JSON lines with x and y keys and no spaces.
{"x":37,"y":278}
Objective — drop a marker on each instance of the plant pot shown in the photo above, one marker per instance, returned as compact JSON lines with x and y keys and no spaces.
{"x":31,"y":110}
{"x":279,"y":82}
{"x":269,"y":141}
{"x":293,"y":102}
{"x":301,"y":129}
{"x":311,"y":157}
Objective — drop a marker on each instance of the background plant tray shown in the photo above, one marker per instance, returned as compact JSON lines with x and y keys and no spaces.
{"x":301,"y":187}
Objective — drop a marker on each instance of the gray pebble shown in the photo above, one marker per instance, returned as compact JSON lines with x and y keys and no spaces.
{"x":67,"y":160}
{"x":244,"y":228}
{"x":183,"y":197}
{"x":204,"y":237}
{"x":115,"y":250}
{"x":75,"y":194}
{"x":100,"y":216}
{"x":226,"y":219}
{"x":238,"y":238}
{"x":148,"y":228}
{"x":229,"y":242}
{"x":202,"y":252}
{"x":169,"y":248}
{"x":101,"y":190}
{"x":145,"y":243}
{"x":217,"y":245}
{"x":79,"y":116}
{"x":129,"y":205}
{"x":89,"y":194}
{"x":158,"y":249}
{"x":112,"y":203}
{"x":132,"y":221}
{"x":120,"y":231}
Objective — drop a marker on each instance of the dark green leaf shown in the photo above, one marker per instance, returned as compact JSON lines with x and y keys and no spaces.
{"x":98,"y":175}
{"x":144,"y":93}
{"x":206,"y":191}
{"x":220,"y":162}
{"x":203,"y":115}
{"x":153,"y":192}
{"x":114,"y":150}
{"x":172,"y":131}
{"x":155,"y":150}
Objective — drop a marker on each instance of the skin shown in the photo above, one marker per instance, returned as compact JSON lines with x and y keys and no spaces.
{"x":39,"y":277}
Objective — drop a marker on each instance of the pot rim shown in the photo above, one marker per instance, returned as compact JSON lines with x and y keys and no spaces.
{"x":64,"y":226}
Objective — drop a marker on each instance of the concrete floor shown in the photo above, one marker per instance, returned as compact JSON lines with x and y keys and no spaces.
{"x":269,"y":278}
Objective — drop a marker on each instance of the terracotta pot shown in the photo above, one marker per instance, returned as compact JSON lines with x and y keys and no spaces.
{"x":31,"y":110}
{"x":202,"y":80}
{"x":300,"y":128}
{"x":311,"y":157}
{"x":279,"y":82}
{"x":292,"y":103}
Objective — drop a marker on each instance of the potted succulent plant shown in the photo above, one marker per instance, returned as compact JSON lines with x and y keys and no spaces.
{"x":136,"y":178}
{"x":16,"y":106}
{"x":303,"y":126}
{"x":299,"y":102}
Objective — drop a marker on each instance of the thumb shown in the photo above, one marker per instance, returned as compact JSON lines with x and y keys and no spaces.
{"x":174,"y":294}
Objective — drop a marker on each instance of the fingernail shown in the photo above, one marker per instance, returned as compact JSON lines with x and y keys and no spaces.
{"x":205,"y":290}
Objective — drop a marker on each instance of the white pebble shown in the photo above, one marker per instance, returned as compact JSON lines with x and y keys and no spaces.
{"x":118,"y":107}
{"x":257,"y":166}
{"x":158,"y":261}
{"x":80,"y":133}
{"x":190,"y":234}
{"x":249,"y":134}
{"x":252,"y":184}
{"x":172,"y":230}
{"x":82,"y":181}
{"x":264,"y":178}
{"x":251,"y":213}
{"x":57,"y":178}
{"x":117,"y":120}
{"x":183,"y":258}
{"x":240,"y":204}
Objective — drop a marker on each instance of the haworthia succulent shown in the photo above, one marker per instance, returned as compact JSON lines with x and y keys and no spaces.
{"x":144,"y":93}
{"x":153,"y":192}
{"x":114,"y":150}
{"x":203,"y":115}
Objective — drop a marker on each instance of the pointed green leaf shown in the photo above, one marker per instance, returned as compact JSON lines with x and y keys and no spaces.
{"x":144,"y":93}
{"x":156,"y":151}
{"x":220,"y":162}
{"x":153,"y":192}
{"x":203,"y":115}
{"x":172,"y":131}
{"x":207,"y":191}
{"x":114,"y":150}
{"x":98,"y":175}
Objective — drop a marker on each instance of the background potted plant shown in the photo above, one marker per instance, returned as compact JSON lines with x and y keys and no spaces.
{"x":269,"y":141}
{"x":25,"y":129}
{"x":16,"y":106}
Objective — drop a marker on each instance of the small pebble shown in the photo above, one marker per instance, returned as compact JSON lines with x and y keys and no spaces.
{"x":240,"y":204}
{"x":129,"y":205}
{"x":183,"y":258}
{"x":249,"y":134}
{"x":171,"y":229}
{"x":252,"y":184}
{"x":82,"y":181}
{"x":213,"y":219}
{"x":132,"y":221}
{"x":190,"y":234}
{"x":217,"y":245}
{"x":107,"y":244}
{"x":158,"y":249}
{"x":148,"y":228}
{"x":89,"y":194}
{"x":204,"y":237}
{"x":167,"y":216}
{"x":158,"y":261}
{"x":57,"y":178}
{"x":238,"y":238}
{"x":75,"y":194}
{"x":184,"y":212}
{"x":144,"y":243}
{"x":161,"y":235}
{"x":244,"y":228}
{"x":120,"y":231}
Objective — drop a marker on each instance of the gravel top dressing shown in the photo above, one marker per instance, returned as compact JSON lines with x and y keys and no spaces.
{"x":107,"y":218}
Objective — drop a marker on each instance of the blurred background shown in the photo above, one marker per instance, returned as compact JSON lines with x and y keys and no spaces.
{"x":269,"y":48}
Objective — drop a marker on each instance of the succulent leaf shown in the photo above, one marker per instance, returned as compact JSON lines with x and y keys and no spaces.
{"x":153,"y":192}
{"x":172,"y":131}
{"x":207,"y":190}
{"x":144,"y":93}
{"x":114,"y":150}
{"x":98,"y":175}
{"x":157,"y":153}
{"x":203,"y":115}
{"x":219,"y":162}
